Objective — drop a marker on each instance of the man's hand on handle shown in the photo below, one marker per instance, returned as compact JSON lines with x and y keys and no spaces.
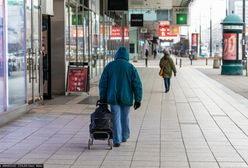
{"x":136,"y":105}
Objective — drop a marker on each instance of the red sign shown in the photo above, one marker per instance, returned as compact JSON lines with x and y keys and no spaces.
{"x":78,"y":32}
{"x":194,"y":39}
{"x":77,"y":79}
{"x":95,"y":40}
{"x":117,"y":32}
{"x":230,"y":46}
{"x":164,"y":31}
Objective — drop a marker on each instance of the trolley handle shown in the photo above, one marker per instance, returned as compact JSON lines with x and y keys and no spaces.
{"x":99,"y":103}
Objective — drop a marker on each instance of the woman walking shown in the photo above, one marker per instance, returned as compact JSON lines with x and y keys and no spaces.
{"x":167,"y":65}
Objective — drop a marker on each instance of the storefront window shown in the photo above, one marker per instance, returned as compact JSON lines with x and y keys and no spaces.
{"x":82,"y":36}
{"x":86,"y":34}
{"x":2,"y":58}
{"x":16,"y":53}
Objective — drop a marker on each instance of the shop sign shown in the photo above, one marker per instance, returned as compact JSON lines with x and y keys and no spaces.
{"x":164,"y":31}
{"x":77,"y":79}
{"x":117,"y":32}
{"x":179,"y":9}
{"x":175,"y":29}
{"x":137,"y":20}
{"x":230,"y":40}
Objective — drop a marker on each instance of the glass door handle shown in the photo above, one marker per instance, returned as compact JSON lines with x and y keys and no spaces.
{"x":30,"y":60}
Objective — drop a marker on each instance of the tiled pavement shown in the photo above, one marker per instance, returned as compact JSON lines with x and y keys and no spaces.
{"x":198,"y":124}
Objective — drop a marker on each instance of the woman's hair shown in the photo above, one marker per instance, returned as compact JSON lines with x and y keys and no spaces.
{"x":166,"y":53}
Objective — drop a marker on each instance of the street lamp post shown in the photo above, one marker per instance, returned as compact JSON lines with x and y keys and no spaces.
{"x":244,"y":38}
{"x":243,"y":33}
{"x":210,"y":32}
{"x":227,"y":7}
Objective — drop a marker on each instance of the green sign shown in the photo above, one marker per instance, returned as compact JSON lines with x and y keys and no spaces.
{"x":76,"y":21}
{"x":181,"y":18}
{"x":13,"y":2}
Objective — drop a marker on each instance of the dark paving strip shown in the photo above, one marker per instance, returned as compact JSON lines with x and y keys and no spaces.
{"x":60,"y":100}
{"x":90,"y":100}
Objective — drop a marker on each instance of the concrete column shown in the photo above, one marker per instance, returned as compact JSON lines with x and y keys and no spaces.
{"x":58,"y":64}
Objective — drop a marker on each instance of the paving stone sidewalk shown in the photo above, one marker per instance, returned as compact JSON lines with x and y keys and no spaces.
{"x":200,"y":123}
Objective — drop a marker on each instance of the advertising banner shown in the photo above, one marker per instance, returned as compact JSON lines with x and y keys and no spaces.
{"x":194,"y":39}
{"x":77,"y":79}
{"x":230,"y":46}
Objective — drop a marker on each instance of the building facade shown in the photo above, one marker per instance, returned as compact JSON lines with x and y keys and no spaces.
{"x":37,"y":47}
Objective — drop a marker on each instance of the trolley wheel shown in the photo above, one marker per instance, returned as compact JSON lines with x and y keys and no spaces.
{"x":89,"y":144}
{"x":110,"y":144}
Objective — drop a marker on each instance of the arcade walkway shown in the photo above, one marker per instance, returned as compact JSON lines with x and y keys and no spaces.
{"x":198,"y":124}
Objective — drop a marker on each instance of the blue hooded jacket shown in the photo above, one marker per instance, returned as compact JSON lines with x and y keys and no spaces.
{"x":120,"y":82}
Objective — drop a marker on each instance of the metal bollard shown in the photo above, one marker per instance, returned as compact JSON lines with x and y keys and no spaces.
{"x":180,"y":62}
{"x":176,"y":61}
{"x":206,"y":61}
{"x":190,"y":61}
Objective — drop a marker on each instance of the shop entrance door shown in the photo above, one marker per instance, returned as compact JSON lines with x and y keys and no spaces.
{"x":33,"y":35}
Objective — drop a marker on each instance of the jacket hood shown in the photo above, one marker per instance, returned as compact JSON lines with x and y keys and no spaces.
{"x":122,"y":54}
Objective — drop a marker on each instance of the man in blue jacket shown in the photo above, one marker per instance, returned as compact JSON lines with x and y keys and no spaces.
{"x":119,"y":85}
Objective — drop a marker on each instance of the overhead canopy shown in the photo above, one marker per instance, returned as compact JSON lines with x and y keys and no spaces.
{"x":157,"y":4}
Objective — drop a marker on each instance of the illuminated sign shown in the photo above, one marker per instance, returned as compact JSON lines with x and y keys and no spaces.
{"x":175,"y":29}
{"x":180,"y":15}
{"x":117,"y":33}
{"x":164,"y":31}
{"x":76,"y":21}
{"x":181,"y":18}
{"x":79,"y":33}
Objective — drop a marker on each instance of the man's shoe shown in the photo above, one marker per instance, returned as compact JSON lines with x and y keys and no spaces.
{"x":124,"y":140}
{"x":117,"y":145}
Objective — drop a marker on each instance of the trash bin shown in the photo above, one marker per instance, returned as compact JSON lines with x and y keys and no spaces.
{"x":135,"y":58}
{"x":216,"y":63}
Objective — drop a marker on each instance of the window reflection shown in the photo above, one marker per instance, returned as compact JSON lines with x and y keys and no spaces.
{"x":2,"y":60}
{"x":16,"y":52}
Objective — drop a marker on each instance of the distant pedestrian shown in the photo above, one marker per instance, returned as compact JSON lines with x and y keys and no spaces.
{"x":119,"y":85}
{"x":9,"y":67}
{"x":146,"y":56}
{"x":154,"y":53}
{"x":167,"y":65}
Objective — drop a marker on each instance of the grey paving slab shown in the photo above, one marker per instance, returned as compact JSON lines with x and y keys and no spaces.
{"x":200,"y":123}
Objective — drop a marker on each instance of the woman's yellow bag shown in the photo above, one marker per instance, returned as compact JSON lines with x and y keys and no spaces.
{"x":161,"y":72}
